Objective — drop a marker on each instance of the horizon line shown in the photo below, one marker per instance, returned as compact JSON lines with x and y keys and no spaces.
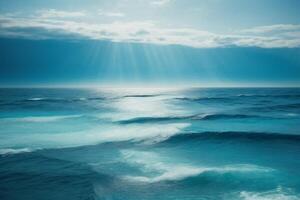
{"x":171,"y":86}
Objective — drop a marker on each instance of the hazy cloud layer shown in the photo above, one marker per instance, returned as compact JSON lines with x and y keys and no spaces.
{"x":53,"y":13}
{"x":110,"y":14}
{"x":160,"y":2}
{"x":45,"y":24}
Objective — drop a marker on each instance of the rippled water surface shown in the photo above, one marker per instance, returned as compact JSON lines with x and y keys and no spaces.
{"x":116,"y":144}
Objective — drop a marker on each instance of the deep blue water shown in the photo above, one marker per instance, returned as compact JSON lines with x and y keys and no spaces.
{"x":133,"y":144}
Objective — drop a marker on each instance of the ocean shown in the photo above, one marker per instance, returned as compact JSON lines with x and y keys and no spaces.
{"x":150,"y":144}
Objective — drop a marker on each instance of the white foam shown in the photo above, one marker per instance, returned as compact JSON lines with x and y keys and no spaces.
{"x":150,"y":163}
{"x":291,"y":114}
{"x":36,"y":99}
{"x":14,"y":151}
{"x":148,"y":133}
{"x":129,"y":108}
{"x":277,"y":194}
{"x":180,"y":172}
{"x":174,"y":173}
{"x":41,"y":118}
{"x":99,"y":134}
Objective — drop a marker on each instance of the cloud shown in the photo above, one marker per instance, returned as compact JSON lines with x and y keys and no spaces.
{"x":272,"y":29}
{"x":110,"y":14}
{"x":146,"y":32}
{"x":160,"y":2}
{"x":53,"y":13}
{"x":278,"y":35}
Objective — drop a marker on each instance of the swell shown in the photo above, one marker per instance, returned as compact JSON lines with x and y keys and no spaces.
{"x":191,"y":175}
{"x":236,"y":97}
{"x":196,"y":99}
{"x":229,"y":116}
{"x":49,"y":100}
{"x":188,"y":117}
{"x":279,"y":107}
{"x":141,"y":95}
{"x":286,"y":106}
{"x":270,"y":95}
{"x":37,"y":119}
{"x":39,"y":100}
{"x":231,"y":136}
{"x":230,"y":179}
{"x":9,"y":151}
{"x":35,"y":176}
{"x":65,"y":99}
{"x":275,"y":194}
{"x":72,"y":99}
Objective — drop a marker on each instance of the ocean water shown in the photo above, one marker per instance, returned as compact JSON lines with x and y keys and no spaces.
{"x":152,"y":144}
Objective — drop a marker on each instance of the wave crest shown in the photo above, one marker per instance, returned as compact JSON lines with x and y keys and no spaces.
{"x":188,"y":117}
{"x":151,"y":162}
{"x":277,"y":194}
{"x":14,"y":151}
{"x":231,"y":135}
{"x":42,"y":118}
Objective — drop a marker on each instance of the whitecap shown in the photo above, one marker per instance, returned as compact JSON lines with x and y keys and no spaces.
{"x":96,"y":135}
{"x":150,"y":163}
{"x":148,"y":134}
{"x":36,"y":99}
{"x":291,"y":114}
{"x":278,"y":194}
{"x":181,"y":172}
{"x":14,"y":151}
{"x":172,"y":174}
{"x":41,"y":118}
{"x":129,"y":108}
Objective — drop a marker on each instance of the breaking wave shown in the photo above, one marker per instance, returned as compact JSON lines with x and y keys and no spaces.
{"x":151,"y":162}
{"x":42,"y":118}
{"x":231,"y":135}
{"x":189,"y":117}
{"x":277,"y":194}
{"x":14,"y":151}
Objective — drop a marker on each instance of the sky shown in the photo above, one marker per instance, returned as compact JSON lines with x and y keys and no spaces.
{"x":185,"y":42}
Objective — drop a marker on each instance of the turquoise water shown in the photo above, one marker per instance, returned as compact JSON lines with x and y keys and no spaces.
{"x":239,"y":143}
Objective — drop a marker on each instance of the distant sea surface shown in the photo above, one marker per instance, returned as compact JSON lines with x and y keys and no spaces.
{"x":150,"y":144}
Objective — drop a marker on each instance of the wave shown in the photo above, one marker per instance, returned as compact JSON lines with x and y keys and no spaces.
{"x":37,"y":176}
{"x":179,"y":173}
{"x":151,"y":162}
{"x":147,"y":134}
{"x":43,"y":100}
{"x":228,"y":116}
{"x":196,"y":99}
{"x":88,"y":98}
{"x":42,"y":118}
{"x":14,"y":151}
{"x":96,"y":98}
{"x":231,"y":135}
{"x":286,"y":106}
{"x":189,"y":117}
{"x":55,"y":99}
{"x":281,"y":107}
{"x":152,"y":119}
{"x":270,"y":95}
{"x":141,"y":95}
{"x":277,"y":194}
{"x":233,"y":97}
{"x":292,"y":114}
{"x":36,"y":99}
{"x":63,"y":99}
